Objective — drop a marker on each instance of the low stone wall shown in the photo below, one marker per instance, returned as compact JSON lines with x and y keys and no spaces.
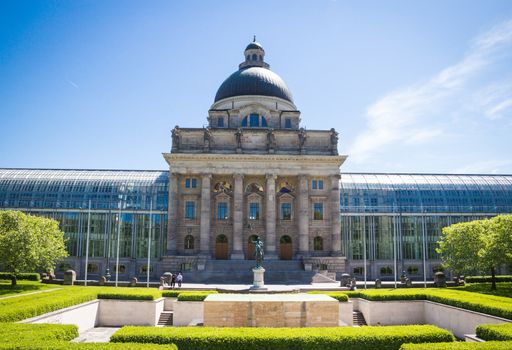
{"x":83,"y":315}
{"x":169,"y":304}
{"x":346,"y":309}
{"x":112,"y":313}
{"x":458,"y":321}
{"x":186,"y":312}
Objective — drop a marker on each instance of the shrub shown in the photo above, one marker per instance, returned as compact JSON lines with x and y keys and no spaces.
{"x":488,"y":279}
{"x":84,"y":346}
{"x":504,"y":345}
{"x":340,"y":296}
{"x":25,"y":276}
{"x":25,"y":306}
{"x":127,"y":296}
{"x":23,"y":332}
{"x":494,"y":331}
{"x":195,"y":296}
{"x":175,"y":292}
{"x":349,"y":338}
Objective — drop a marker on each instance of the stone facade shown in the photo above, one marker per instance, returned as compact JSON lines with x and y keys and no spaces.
{"x":254,"y":172}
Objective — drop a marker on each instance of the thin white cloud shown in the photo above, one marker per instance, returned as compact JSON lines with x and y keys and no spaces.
{"x":407,"y":114}
{"x":73,"y":84}
{"x":493,"y":166}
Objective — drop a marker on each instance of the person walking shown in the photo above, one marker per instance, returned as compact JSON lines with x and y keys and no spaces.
{"x":179,"y":279}
{"x":173,"y":280}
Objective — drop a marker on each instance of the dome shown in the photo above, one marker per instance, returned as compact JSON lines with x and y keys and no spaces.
{"x":254,"y":81}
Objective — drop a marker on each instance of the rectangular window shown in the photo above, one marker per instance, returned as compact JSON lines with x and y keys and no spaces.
{"x":190,"y":182}
{"x":288,"y":123}
{"x":222,"y":211}
{"x":286,"y":211}
{"x":190,"y":210}
{"x":254,"y":211}
{"x":220,"y":122}
{"x":254,"y":120}
{"x":317,"y":184}
{"x":318,"y":211}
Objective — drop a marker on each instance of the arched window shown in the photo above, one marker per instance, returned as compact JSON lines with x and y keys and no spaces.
{"x":254,"y":120}
{"x":264,"y":122}
{"x":254,"y":57}
{"x":285,"y":239}
{"x":189,"y":242}
{"x":244,"y":122}
{"x":261,"y":58}
{"x":318,"y":243}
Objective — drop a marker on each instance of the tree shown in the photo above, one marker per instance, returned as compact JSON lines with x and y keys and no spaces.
{"x":28,"y":243}
{"x":477,"y":246}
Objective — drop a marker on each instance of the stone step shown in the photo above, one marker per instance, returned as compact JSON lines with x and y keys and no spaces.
{"x":358,"y":318}
{"x":165,"y":318}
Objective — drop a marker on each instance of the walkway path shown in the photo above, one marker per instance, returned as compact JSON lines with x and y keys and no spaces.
{"x":23,"y":294}
{"x":96,"y":335}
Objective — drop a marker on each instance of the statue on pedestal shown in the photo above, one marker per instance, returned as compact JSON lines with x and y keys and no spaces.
{"x":258,"y":252}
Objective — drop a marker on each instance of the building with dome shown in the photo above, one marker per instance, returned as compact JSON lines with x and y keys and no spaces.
{"x":253,"y":171}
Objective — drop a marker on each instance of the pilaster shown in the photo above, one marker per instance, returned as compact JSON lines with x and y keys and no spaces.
{"x":205,"y":214}
{"x":304,"y":214}
{"x":238,"y":205}
{"x":335,"y":215}
{"x":270,"y":220}
{"x":172,"y":218}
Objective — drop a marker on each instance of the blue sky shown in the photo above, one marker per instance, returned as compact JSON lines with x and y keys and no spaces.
{"x":412,"y":86}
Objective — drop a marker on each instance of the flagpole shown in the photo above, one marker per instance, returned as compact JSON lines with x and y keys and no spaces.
{"x":118,"y":239}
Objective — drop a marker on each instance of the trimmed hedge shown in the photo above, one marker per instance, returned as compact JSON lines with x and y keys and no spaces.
{"x":494,"y":331}
{"x":84,"y":346}
{"x":346,"y":338}
{"x":24,"y":276}
{"x":488,"y":279}
{"x":195,"y":296}
{"x":494,"y":345}
{"x":25,"y":306}
{"x":489,"y":304}
{"x":340,"y":296}
{"x":23,"y":332}
{"x":127,"y":296}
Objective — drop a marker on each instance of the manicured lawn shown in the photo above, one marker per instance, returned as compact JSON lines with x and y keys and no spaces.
{"x":504,"y":289}
{"x":22,"y":287}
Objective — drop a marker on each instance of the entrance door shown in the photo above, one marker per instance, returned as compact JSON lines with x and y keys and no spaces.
{"x":251,"y":247}
{"x":221,"y":247}
{"x":285,"y":248}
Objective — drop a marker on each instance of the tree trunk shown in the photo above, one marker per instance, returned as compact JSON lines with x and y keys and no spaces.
{"x":493,"y":278}
{"x":13,"y":280}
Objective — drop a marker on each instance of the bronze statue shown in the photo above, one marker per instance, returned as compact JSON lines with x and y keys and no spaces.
{"x":176,"y":136}
{"x":238,"y":135}
{"x":258,"y":251}
{"x":302,"y":137}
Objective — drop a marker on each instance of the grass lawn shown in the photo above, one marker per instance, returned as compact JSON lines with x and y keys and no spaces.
{"x":23,"y":287}
{"x":504,"y":289}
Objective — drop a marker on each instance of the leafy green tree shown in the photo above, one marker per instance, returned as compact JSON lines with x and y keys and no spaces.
{"x":28,"y":243}
{"x":477,"y":246}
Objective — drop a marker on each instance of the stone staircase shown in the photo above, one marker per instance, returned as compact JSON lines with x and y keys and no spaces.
{"x":358,"y":319}
{"x":165,"y":319}
{"x":240,"y":272}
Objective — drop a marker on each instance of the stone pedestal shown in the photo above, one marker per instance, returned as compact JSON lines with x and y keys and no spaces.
{"x":70,"y":277}
{"x":259,"y":282}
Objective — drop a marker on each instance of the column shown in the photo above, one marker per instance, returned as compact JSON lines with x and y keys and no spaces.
{"x":172,"y":218}
{"x":335,"y":215}
{"x":270,"y":221}
{"x":205,"y":215}
{"x":304,"y":213}
{"x":238,"y":219}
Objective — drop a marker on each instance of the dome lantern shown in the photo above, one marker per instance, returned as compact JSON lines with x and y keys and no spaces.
{"x":254,"y":56}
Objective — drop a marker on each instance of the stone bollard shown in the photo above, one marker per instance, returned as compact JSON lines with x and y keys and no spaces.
{"x":345,"y":280}
{"x":102,"y":281}
{"x":69,"y":277}
{"x":133,"y":282}
{"x":440,"y":279}
{"x":378,"y":283}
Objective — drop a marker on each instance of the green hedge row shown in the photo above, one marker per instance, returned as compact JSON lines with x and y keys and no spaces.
{"x":25,"y":276}
{"x":494,"y":331}
{"x":488,"y":279}
{"x":195,"y":296}
{"x":346,"y":338}
{"x":26,"y":306}
{"x":503,"y":345}
{"x":340,"y":296}
{"x":22,"y":332}
{"x":59,"y":345}
{"x":489,"y":304}
{"x":127,"y":296}
{"x":174,"y":293}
